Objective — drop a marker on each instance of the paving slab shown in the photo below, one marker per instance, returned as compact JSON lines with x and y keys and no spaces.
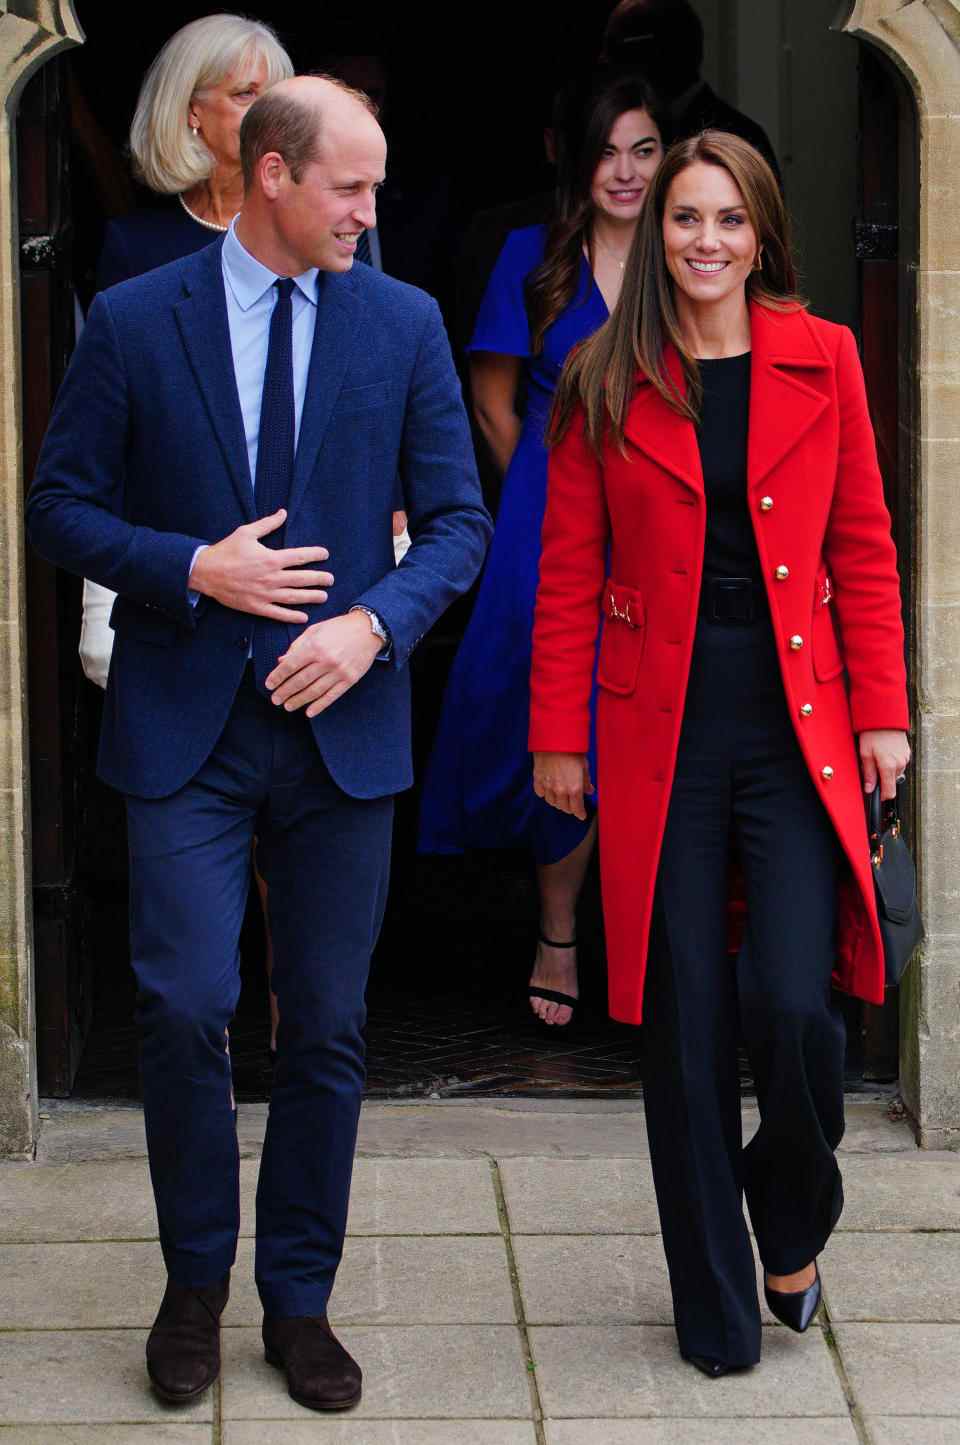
{"x":103,"y":1199}
{"x":402,"y":1281}
{"x":51,"y":1377}
{"x":410,"y":1373}
{"x":381,"y":1432}
{"x":913,"y":1430}
{"x":635,"y":1370}
{"x":914,"y":1278}
{"x":80,"y":1286}
{"x":579,"y":1196}
{"x":423,"y":1196}
{"x":900,"y":1369}
{"x":606,"y":1280}
{"x":919,"y":1190}
{"x":698,"y":1432}
{"x":155,"y":1434}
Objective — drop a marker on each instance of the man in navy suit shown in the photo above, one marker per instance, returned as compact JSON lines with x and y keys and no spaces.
{"x":232,"y":425}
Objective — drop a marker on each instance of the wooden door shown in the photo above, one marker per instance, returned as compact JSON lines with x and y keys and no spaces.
{"x":53,"y":598}
{"x":886,"y":252}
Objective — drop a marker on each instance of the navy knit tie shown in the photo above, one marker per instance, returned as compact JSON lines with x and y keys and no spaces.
{"x":276,"y":449}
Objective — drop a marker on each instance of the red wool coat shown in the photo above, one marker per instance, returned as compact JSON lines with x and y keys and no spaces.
{"x":828,"y":561}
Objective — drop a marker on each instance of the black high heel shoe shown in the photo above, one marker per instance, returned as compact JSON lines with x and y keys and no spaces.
{"x":553,"y":995}
{"x":795,"y":1308}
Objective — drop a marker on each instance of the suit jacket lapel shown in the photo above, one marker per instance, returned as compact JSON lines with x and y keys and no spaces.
{"x":204,"y":329}
{"x":339,"y":312}
{"x":783,"y":404}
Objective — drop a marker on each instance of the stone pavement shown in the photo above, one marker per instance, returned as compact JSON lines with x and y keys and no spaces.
{"x":503,"y":1284}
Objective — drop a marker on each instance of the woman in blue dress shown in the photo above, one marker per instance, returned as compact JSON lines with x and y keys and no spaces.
{"x":551,"y":288}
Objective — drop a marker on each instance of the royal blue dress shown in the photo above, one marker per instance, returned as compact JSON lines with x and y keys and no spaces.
{"x":478,"y":787}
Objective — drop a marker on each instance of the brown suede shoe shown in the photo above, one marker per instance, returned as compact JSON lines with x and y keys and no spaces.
{"x":183,"y":1348}
{"x":320,"y":1373}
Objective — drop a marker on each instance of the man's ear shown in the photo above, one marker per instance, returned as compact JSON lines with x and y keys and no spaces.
{"x":272,"y":172}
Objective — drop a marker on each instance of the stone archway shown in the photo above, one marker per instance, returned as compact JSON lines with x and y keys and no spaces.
{"x":922,"y":38}
{"x":31,"y":31}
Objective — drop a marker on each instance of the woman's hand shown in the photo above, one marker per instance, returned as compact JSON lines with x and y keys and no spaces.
{"x":564,"y":780}
{"x":884,"y":753}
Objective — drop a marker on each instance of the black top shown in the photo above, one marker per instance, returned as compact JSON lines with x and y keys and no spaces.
{"x":730,"y":549}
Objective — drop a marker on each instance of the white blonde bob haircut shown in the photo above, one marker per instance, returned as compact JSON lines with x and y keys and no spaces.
{"x":167,"y":156}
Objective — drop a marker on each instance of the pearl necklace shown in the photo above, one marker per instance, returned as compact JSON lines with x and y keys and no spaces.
{"x":210,"y":225}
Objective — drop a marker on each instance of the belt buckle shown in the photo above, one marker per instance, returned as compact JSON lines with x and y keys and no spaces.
{"x":732,"y":600}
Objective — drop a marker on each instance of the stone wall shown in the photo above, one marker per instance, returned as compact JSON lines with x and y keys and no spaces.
{"x":922,"y":37}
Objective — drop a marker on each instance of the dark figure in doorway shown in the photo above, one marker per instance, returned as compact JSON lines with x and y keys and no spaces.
{"x":228,"y":424}
{"x":664,"y":40}
{"x":551,"y":288}
{"x":715,"y":463}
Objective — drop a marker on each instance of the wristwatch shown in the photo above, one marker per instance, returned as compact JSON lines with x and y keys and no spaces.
{"x":376,"y":627}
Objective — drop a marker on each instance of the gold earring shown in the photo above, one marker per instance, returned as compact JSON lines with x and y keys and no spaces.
{"x":195,"y":129}
{"x":758,"y":263}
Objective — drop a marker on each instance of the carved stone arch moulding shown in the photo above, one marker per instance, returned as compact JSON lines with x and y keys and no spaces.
{"x":921,"y":37}
{"x":31,"y":32}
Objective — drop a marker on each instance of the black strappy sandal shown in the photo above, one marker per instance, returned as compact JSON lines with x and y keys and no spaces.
{"x":553,"y":995}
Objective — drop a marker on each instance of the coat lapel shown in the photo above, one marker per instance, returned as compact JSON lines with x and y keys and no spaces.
{"x":339,"y":313}
{"x":783,"y":404}
{"x":204,"y":329}
{"x":661,"y":433}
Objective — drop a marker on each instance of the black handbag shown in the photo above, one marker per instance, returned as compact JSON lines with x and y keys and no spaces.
{"x":895,"y":880}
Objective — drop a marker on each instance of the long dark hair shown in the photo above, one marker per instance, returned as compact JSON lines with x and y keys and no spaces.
{"x":601,"y":373}
{"x":586,"y":115}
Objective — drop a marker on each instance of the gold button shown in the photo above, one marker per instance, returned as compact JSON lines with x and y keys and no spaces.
{"x":807,"y":710}
{"x":826,"y":773}
{"x":766,"y":504}
{"x":782,"y":573}
{"x":796,"y":642}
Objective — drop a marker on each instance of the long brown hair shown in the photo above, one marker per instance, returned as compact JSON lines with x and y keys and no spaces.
{"x":585,"y":118}
{"x":601,"y":373}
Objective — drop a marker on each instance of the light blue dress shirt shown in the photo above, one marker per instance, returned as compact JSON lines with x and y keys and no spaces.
{"x":251,"y":297}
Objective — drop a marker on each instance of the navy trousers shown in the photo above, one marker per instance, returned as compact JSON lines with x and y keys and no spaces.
{"x":741,"y":783}
{"x":325,"y":857}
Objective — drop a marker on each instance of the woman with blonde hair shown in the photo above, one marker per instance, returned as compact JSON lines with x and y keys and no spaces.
{"x":185,"y":140}
{"x":714,"y":493}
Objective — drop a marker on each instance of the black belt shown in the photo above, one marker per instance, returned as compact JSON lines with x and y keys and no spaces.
{"x":737,"y":600}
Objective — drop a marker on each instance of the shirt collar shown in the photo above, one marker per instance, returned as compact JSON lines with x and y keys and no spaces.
{"x":250,"y":280}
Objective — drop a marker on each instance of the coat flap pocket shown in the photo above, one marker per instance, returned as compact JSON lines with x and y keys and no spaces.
{"x":146,"y":624}
{"x":623,"y":604}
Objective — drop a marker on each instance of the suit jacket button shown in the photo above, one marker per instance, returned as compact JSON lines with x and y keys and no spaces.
{"x":807,"y":710}
{"x":796,"y":642}
{"x":782,"y":573}
{"x":766,"y":504}
{"x":826,"y":773}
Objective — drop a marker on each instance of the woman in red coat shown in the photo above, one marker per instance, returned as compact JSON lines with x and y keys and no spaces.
{"x":713,"y":439}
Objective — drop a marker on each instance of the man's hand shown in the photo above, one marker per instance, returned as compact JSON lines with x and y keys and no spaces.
{"x":326,"y":660}
{"x":240,"y":572}
{"x":884,"y":754}
{"x":562,"y":779}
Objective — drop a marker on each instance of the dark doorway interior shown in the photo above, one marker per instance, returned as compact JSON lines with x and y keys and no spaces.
{"x":469,"y":93}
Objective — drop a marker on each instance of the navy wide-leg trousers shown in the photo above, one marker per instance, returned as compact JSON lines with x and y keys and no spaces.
{"x":325,"y":857}
{"x":741,"y":785}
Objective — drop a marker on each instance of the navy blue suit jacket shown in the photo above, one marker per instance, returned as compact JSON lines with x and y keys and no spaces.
{"x":145,"y":459}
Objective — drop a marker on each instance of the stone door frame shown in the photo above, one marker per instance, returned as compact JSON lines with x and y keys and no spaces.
{"x":922,"y":38}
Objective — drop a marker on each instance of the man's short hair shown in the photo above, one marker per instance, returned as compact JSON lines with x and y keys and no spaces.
{"x":284,"y":123}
